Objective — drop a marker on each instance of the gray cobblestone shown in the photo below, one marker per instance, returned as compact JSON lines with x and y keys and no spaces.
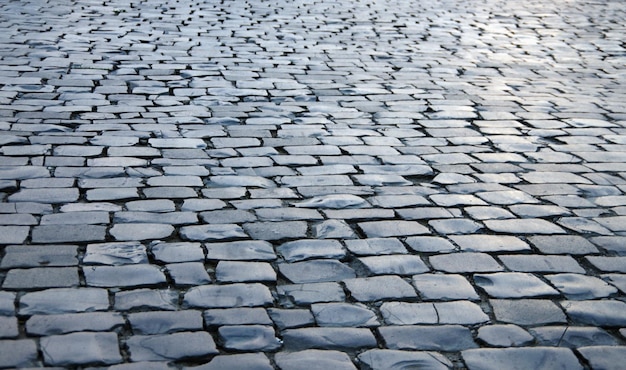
{"x":382,"y":185}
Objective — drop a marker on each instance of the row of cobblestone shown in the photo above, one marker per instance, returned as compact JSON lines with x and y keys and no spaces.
{"x":268,"y":184}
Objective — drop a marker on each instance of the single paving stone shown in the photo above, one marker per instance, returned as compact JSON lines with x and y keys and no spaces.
{"x":276,"y":230}
{"x":527,"y":311}
{"x":429,"y":244}
{"x":611,"y":243}
{"x":18,"y":353}
{"x":188,"y":273}
{"x":394,"y":264}
{"x":375,"y":246}
{"x":334,"y":201}
{"x":606,"y":357}
{"x":572,"y":336}
{"x":234,"y":216}
{"x":241,"y":251}
{"x":8,"y":327}
{"x":249,"y":338}
{"x":68,"y":233}
{"x":316,"y":271}
{"x":291,"y":318}
{"x":47,"y":195}
{"x":141,"y":231}
{"x":243,"y":361}
{"x":389,"y":359}
{"x":177,"y":252}
{"x":300,"y":250}
{"x":124,"y":275}
{"x":328,"y":338}
{"x":378,"y":229}
{"x":597,"y":313}
{"x":562,"y":244}
{"x":489,"y":243}
{"x":536,"y":263}
{"x":236,"y":271}
{"x":465,"y":262}
{"x":23,"y":172}
{"x":164,"y":322}
{"x":63,"y":300}
{"x":314,"y":359}
{"x":544,"y":358}
{"x":524,"y":226}
{"x":455,"y":226}
{"x":305,"y":294}
{"x":328,"y":229}
{"x":237,"y":316}
{"x":150,"y":299}
{"x":241,"y":181}
{"x":46,"y":325}
{"x":343,"y":314}
{"x":608,"y":264}
{"x":444,"y":287}
{"x":504,"y":336}
{"x":513,"y":285}
{"x":212,"y":232}
{"x":171,"y":347}
{"x":581,"y":287}
{"x":121,"y":253}
{"x":43,"y":277}
{"x":226,"y":296}
{"x":7,"y":303}
{"x":379,"y":288}
{"x":13,"y":234}
{"x":81,"y":348}
{"x":447,"y":338}
{"x":35,"y":256}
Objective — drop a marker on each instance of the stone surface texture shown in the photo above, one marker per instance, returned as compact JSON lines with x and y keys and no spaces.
{"x":268,"y":184}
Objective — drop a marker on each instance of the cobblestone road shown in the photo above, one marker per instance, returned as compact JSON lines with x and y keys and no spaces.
{"x":264,"y":184}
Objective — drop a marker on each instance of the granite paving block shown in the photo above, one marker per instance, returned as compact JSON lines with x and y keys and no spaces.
{"x":231,"y":295}
{"x":603,"y":356}
{"x":243,"y":361}
{"x":572,"y":336}
{"x":379,"y":359}
{"x":236,"y":316}
{"x":328,"y":338}
{"x":81,"y":348}
{"x":527,"y":311}
{"x":379,"y":288}
{"x":303,"y":294}
{"x":169,"y":347}
{"x":18,"y":353}
{"x":521,"y":358}
{"x":135,"y":275}
{"x":314,"y":359}
{"x":505,"y":335}
{"x":63,"y":300}
{"x":316,"y":271}
{"x":41,"y":277}
{"x":447,"y":338}
{"x":164,"y":322}
{"x":151,"y":299}
{"x":599,"y":313}
{"x":47,"y":234}
{"x":249,"y":338}
{"x":47,"y":325}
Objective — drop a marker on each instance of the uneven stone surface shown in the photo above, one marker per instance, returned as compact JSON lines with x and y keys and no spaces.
{"x":264,"y":184}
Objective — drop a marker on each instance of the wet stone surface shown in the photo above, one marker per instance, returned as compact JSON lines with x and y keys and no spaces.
{"x":264,"y":184}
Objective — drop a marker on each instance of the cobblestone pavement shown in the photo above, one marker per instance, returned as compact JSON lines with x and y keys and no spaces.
{"x":264,"y":184}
